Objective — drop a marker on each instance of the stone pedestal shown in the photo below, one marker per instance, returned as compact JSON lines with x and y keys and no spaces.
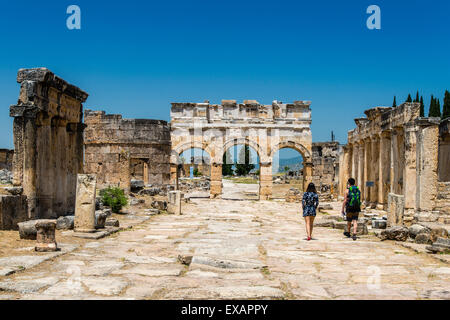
{"x":45,"y":236}
{"x":216,"y":181}
{"x":174,"y":205}
{"x":85,"y":203}
{"x":396,"y":208}
{"x":265,"y":181}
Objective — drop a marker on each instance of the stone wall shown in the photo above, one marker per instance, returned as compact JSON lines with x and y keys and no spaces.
{"x":444,"y":150}
{"x":325,"y":158}
{"x":443,"y":202}
{"x":118,"y":150}
{"x":6,"y":159}
{"x":48,"y":142}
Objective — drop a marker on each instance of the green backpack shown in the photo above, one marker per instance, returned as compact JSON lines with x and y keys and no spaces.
{"x":354,"y":199}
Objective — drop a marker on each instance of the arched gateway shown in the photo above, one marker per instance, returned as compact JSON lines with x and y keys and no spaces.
{"x":265,"y":128}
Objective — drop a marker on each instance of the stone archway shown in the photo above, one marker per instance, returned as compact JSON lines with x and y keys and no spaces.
{"x":265,"y":128}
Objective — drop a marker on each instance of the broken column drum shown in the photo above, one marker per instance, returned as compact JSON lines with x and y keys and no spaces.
{"x":85,"y":204}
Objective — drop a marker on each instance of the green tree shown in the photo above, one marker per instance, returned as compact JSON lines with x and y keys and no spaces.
{"x":431,"y":109}
{"x":244,"y":167}
{"x":394,"y":104}
{"x":417,"y":97}
{"x":422,"y":107}
{"x":227,"y":166}
{"x":409,"y":99}
{"x":114,"y":198}
{"x":446,"y":108}
{"x":438,"y":108}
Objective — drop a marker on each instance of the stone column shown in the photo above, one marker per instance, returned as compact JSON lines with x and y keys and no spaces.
{"x":384,"y":171}
{"x":174,"y":175}
{"x":355,"y":162}
{"x":307,"y":174}
{"x":216,"y":180}
{"x":397,"y":161}
{"x":375,"y":159}
{"x":45,"y":169}
{"x":72,"y":167}
{"x":29,"y":166}
{"x":409,"y":170}
{"x":265,"y":181}
{"x":85,"y":204}
{"x":367,"y":171}
{"x":145,"y":172}
{"x":18,"y":129}
{"x":360,"y":179}
{"x":427,"y":163}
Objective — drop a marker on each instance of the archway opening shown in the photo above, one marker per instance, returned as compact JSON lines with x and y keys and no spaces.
{"x":287,"y":171}
{"x":240,"y":172}
{"x":194,"y":172}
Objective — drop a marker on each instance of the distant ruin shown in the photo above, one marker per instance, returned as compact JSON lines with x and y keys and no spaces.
{"x":6,"y":159}
{"x":216,"y":128}
{"x":118,"y":150}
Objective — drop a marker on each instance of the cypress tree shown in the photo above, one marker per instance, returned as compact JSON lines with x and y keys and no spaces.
{"x":431,"y":110}
{"x":394,"y":104}
{"x":409,"y":98}
{"x":417,"y":97}
{"x":446,"y":108}
{"x":422,"y":107}
{"x":438,"y":108}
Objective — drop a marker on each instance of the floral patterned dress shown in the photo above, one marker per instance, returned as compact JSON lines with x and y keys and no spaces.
{"x":310,"y":202}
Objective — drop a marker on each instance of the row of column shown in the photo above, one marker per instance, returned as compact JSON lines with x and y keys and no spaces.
{"x":402,"y":161}
{"x":48,"y":157}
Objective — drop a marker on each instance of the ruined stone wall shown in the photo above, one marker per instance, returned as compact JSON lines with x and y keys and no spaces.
{"x":6,"y":159}
{"x":444,"y":150}
{"x":325,"y":158}
{"x":118,"y":150}
{"x":48,"y":142}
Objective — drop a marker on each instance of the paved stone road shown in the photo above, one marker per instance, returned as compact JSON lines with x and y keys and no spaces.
{"x":241,"y":250}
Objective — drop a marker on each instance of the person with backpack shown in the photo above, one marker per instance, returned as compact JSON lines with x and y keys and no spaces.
{"x":351,"y":207}
{"x":310,"y":202}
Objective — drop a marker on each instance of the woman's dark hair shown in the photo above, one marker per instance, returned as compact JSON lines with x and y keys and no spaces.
{"x":351,"y":181}
{"x":311,"y":188}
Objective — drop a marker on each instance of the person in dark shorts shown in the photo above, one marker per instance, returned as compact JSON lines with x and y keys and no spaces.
{"x":351,"y":207}
{"x":310,"y":202}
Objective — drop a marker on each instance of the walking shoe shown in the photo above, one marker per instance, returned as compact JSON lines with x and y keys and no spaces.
{"x":309,"y":238}
{"x":347,"y":234}
{"x":354,"y":237}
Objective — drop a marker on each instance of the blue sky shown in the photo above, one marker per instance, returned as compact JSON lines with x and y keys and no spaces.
{"x":136,"y":57}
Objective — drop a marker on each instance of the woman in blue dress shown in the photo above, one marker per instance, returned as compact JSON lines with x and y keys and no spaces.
{"x":309,"y":203}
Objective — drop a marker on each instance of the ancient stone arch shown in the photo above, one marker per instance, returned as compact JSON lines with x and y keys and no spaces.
{"x":265,"y":128}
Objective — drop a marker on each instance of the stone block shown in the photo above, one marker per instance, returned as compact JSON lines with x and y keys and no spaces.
{"x":423,"y":238}
{"x":440,"y":245}
{"x":396,"y":208}
{"x":85,"y":203}
{"x":13,"y":210}
{"x":415,"y":229}
{"x":100,"y":219}
{"x":174,"y":204}
{"x":397,"y":233}
{"x":111,"y":222}
{"x":45,"y":238}
{"x":379,"y":224}
{"x":65,"y":223}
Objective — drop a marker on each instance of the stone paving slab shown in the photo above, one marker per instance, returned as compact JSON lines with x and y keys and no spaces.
{"x":240,"y":250}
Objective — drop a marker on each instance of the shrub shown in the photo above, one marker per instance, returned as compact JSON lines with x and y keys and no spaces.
{"x":114,"y":198}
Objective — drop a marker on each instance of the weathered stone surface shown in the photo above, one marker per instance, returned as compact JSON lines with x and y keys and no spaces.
{"x":396,"y":207}
{"x":174,"y":204}
{"x":159,"y":204}
{"x":65,"y":223}
{"x":27,"y":230}
{"x":112,"y":222}
{"x":85,"y":203}
{"x":423,"y":238}
{"x":138,"y":153}
{"x":100,"y":219}
{"x":440,"y":245}
{"x":27,"y":285}
{"x":45,"y":236}
{"x":48,"y":142}
{"x":415,"y":229}
{"x":13,"y":210}
{"x":395,"y":233}
{"x":13,"y":191}
{"x":379,"y":224}
{"x":6,"y":176}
